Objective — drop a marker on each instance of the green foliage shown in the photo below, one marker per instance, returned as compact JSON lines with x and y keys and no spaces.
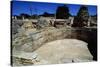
{"x":82,"y":17}
{"x":83,"y":13}
{"x":24,"y":15}
{"x":46,"y":14}
{"x":62,"y":12}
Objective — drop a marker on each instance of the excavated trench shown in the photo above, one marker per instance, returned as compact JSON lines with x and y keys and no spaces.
{"x":39,"y":38}
{"x":88,"y":35}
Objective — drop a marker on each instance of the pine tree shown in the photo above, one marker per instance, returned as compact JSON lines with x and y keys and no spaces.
{"x":82,"y":17}
{"x":62,"y":12}
{"x":83,"y":13}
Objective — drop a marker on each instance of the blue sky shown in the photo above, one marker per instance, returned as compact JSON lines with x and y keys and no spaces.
{"x":19,"y":7}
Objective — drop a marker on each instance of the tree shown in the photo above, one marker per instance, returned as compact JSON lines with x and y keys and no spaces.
{"x":82,"y":17}
{"x":46,"y":14}
{"x":25,"y":15}
{"x":62,"y":12}
{"x":83,"y":13}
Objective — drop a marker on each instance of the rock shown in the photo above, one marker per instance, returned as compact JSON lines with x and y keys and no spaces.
{"x":28,"y":25}
{"x":28,"y":28}
{"x":64,"y":51}
{"x":15,"y":26}
{"x":27,"y":47}
{"x":31,"y":40}
{"x":25,"y":55}
{"x":54,"y":51}
{"x":23,"y":58}
{"x":43,"y":22}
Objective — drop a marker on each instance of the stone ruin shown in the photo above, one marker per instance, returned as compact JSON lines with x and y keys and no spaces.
{"x":41,"y":43}
{"x":31,"y":46}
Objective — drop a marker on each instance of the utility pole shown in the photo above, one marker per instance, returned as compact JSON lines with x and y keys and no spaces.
{"x":31,"y":10}
{"x":55,"y":16}
{"x":36,"y":13}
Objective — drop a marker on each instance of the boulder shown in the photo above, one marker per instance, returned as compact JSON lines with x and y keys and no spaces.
{"x":23,"y":58}
{"x":65,"y":51}
{"x":42,"y":23}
